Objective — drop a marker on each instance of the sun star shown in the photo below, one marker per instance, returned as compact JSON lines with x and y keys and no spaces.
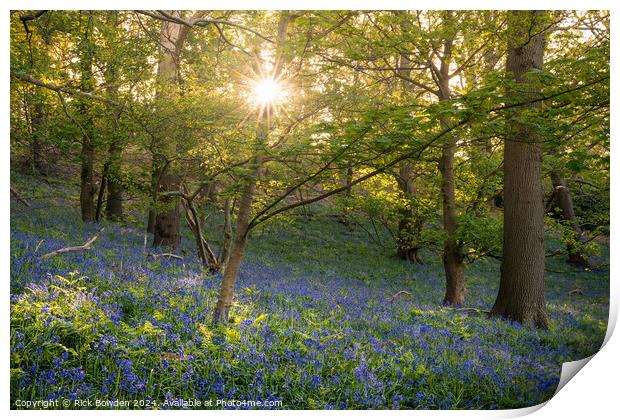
{"x":268,"y":91}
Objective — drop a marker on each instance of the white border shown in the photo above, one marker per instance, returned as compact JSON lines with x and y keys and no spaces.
{"x":591,"y":394}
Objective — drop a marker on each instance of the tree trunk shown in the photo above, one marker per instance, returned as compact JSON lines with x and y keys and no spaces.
{"x":227,"y":234}
{"x":521,"y":293}
{"x":407,"y":247}
{"x":38,"y":135}
{"x":453,"y":255}
{"x":114,"y":204}
{"x":454,"y":267}
{"x":165,"y":216}
{"x":166,"y":229}
{"x":87,"y":188}
{"x":150,"y":225}
{"x":224,"y":302}
{"x":564,"y":202}
{"x":87,"y":154}
{"x":102,"y":187}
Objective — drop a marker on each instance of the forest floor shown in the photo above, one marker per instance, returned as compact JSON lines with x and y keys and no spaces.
{"x":315,"y":323}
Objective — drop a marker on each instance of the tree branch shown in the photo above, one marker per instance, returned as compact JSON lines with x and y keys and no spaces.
{"x":19,"y":198}
{"x":84,"y":247}
{"x":412,"y":154}
{"x":61,"y":89}
{"x":202,"y":22}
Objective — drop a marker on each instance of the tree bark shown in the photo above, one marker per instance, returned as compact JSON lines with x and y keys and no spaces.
{"x":408,"y":227}
{"x":165,"y":214}
{"x":87,"y":188}
{"x":454,"y":267}
{"x":150,"y":225}
{"x":224,"y":302}
{"x":564,"y":202}
{"x":227,"y":233}
{"x":407,"y":247}
{"x":87,"y":153}
{"x":102,"y":187}
{"x":38,"y":135}
{"x":114,"y":204}
{"x":521,"y":295}
{"x":167,"y":220}
{"x":453,"y":255}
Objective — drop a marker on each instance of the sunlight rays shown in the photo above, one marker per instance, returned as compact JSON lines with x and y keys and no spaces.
{"x":267,"y":92}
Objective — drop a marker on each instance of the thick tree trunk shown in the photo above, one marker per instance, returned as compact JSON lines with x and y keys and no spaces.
{"x":114,"y":204}
{"x":521,"y":295}
{"x":87,"y":187}
{"x":150,"y":225}
{"x":564,"y":202}
{"x":406,"y":246}
{"x":87,"y":154}
{"x":166,"y":229}
{"x":165,"y":215}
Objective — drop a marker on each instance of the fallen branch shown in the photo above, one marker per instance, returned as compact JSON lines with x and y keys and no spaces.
{"x":397,"y":294}
{"x":84,"y":247}
{"x":155,"y":256}
{"x":19,"y":198}
{"x":38,"y":245}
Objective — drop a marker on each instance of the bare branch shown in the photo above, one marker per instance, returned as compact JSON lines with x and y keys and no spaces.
{"x":19,"y":197}
{"x":397,"y":294}
{"x":84,"y":247}
{"x":155,"y":256}
{"x":202,"y":22}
